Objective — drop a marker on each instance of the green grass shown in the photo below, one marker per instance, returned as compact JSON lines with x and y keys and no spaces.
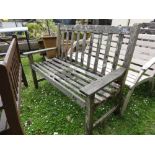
{"x":48,"y":111}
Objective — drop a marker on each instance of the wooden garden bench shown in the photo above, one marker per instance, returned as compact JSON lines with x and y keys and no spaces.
{"x":80,"y":81}
{"x":11,"y":76}
{"x":142,"y":66}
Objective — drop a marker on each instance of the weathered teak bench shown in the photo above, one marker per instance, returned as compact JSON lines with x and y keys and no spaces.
{"x":80,"y":81}
{"x":142,"y":66}
{"x":11,"y":76}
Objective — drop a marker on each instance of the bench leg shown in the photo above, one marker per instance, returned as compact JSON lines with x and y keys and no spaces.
{"x":89,"y":115}
{"x":126,"y":101}
{"x":24,"y":78}
{"x":35,"y":81}
{"x":34,"y":76}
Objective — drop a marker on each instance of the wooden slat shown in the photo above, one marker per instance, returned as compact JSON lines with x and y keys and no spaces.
{"x":62,"y":45}
{"x":96,"y":29}
{"x":75,"y":82}
{"x":78,"y":69}
{"x":131,"y":46}
{"x":117,"y":53}
{"x":106,"y":54}
{"x":61,"y":87}
{"x":58,"y":43}
{"x":67,"y":41}
{"x":97,"y":53}
{"x":77,"y":46}
{"x":83,"y":47}
{"x":90,"y":50}
{"x":72,"y":41}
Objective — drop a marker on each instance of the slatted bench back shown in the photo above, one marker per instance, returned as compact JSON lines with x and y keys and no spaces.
{"x":10,"y":80}
{"x":144,"y":51}
{"x":100,"y":45}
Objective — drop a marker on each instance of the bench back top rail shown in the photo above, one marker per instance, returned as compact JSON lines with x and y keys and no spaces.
{"x":99,"y":36}
{"x":10,"y":82}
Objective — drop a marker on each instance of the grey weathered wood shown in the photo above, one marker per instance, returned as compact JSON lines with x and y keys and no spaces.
{"x":72,"y":41}
{"x":62,"y":88}
{"x":89,"y":114}
{"x":34,"y":76}
{"x":96,"y":28}
{"x":117,"y":53}
{"x":83,"y":47}
{"x":40,"y":51}
{"x":67,"y":41}
{"x":106,"y":54}
{"x":62,"y":45}
{"x":77,"y":46}
{"x":103,"y":81}
{"x":58,"y":42}
{"x":131,"y":46}
{"x":90,"y":51}
{"x":97,"y":53}
{"x":79,"y":78}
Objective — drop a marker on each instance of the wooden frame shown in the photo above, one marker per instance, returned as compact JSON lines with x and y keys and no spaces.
{"x":80,"y":81}
{"x":142,"y":67}
{"x":12,"y":75}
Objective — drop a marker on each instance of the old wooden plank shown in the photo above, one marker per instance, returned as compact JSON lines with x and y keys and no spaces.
{"x":72,"y":42}
{"x":106,"y":54}
{"x":90,"y":50}
{"x":97,"y":53}
{"x":117,"y":52}
{"x":83,"y":47}
{"x":131,"y":46}
{"x":89,"y":74}
{"x":58,"y":42}
{"x":103,"y":81}
{"x":62,"y":45}
{"x":67,"y":42}
{"x":96,"y":29}
{"x":61,"y":87}
{"x":77,"y":46}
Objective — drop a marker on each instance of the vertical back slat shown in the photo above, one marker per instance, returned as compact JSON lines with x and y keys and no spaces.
{"x":108,"y":44}
{"x":72,"y":41}
{"x":58,"y":41}
{"x":97,"y":53}
{"x":66,"y":47}
{"x":117,"y":52}
{"x":83,"y":47}
{"x":131,"y":46}
{"x":77,"y":46}
{"x":90,"y":51}
{"x":62,"y":44}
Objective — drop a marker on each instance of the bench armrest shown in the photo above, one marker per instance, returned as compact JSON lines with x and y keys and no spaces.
{"x":95,"y":86}
{"x":149,"y":64}
{"x":40,"y":51}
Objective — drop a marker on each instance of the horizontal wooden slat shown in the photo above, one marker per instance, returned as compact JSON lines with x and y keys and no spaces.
{"x":96,"y":29}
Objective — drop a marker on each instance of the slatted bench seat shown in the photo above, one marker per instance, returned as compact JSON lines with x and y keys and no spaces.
{"x":11,"y":77}
{"x":142,"y":66}
{"x":80,"y":81}
{"x":73,"y":78}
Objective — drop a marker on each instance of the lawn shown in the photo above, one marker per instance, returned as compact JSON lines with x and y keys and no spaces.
{"x":47,"y":111}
